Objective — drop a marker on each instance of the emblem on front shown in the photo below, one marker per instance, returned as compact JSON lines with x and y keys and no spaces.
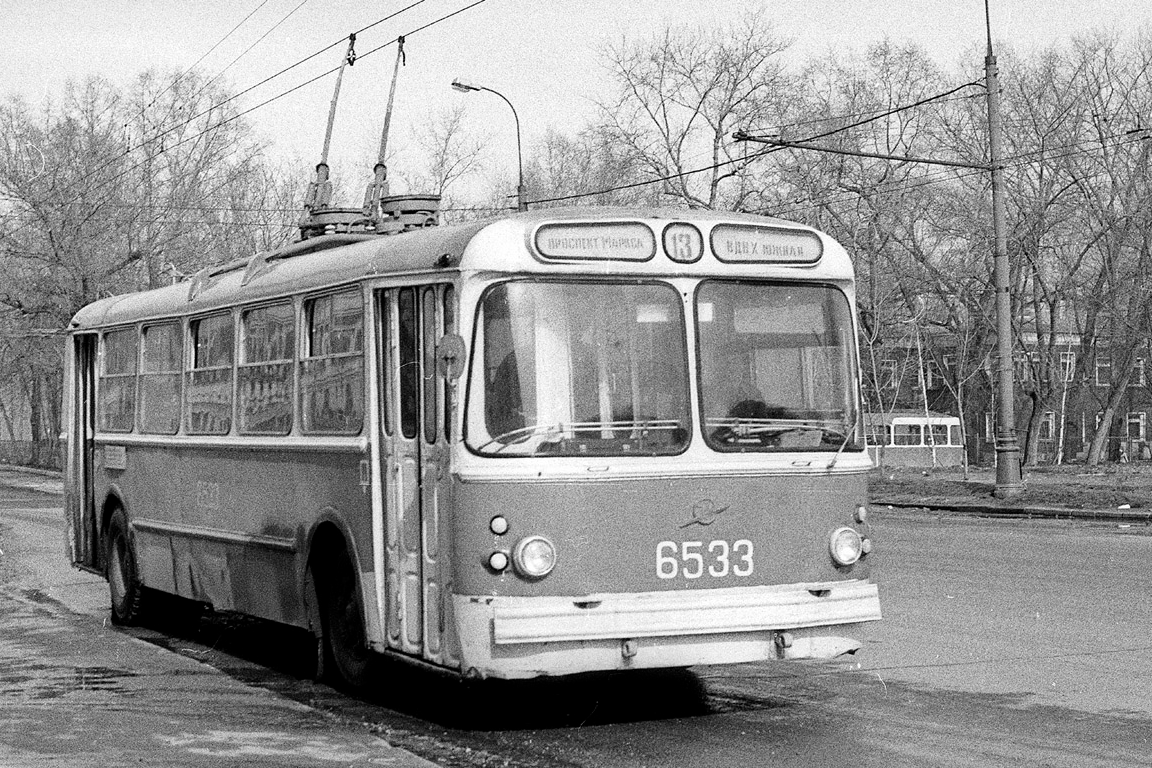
{"x":705,"y":512}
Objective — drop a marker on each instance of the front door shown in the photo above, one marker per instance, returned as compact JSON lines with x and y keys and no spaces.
{"x":415,"y":406}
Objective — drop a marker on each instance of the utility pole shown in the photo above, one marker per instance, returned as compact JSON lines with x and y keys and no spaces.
{"x":1008,"y":479}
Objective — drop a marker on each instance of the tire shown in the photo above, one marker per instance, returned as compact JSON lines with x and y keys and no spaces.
{"x":124,"y":587}
{"x":348,"y":661}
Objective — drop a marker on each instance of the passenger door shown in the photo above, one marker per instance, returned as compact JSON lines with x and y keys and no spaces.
{"x":415,"y":477}
{"x":80,"y":426}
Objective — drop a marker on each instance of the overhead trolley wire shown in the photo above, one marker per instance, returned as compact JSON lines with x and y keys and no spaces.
{"x":251,"y":88}
{"x":205,"y":55}
{"x":755,"y":155}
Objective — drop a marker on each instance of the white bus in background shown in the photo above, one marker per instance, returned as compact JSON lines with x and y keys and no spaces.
{"x":914,"y":439}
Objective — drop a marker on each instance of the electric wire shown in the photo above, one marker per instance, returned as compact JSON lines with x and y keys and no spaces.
{"x":162,"y":133}
{"x":245,"y":52}
{"x":205,"y":55}
{"x":753,"y":156}
{"x":264,"y":103}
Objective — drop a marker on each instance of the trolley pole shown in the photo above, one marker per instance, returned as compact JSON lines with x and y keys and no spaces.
{"x":1008,"y":479}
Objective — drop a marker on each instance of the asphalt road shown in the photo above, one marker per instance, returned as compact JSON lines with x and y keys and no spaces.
{"x":1022,"y":643}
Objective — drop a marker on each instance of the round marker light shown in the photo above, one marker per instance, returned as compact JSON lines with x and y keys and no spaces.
{"x":498,"y":525}
{"x":862,"y":514}
{"x":534,"y":557}
{"x":498,"y":561}
{"x":845,"y":546}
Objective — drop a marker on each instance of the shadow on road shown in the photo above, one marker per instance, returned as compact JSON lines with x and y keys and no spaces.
{"x":281,"y":659}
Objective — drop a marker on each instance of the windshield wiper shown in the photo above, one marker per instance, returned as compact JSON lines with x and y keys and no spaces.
{"x":522,"y":434}
{"x":736,"y":429}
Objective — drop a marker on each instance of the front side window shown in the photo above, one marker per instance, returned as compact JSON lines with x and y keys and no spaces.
{"x":332,"y":371}
{"x":776,"y":367}
{"x":572,"y":369}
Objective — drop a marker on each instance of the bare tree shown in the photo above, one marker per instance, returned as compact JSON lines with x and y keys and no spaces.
{"x":106,"y":192}
{"x":680,"y":96}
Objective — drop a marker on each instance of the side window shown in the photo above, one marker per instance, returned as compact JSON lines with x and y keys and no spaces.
{"x":332,"y":371}
{"x":116,"y":408}
{"x":907,"y":434}
{"x":409,"y":364}
{"x":449,"y":390}
{"x":160,"y":379}
{"x":431,"y":412}
{"x":210,"y":378}
{"x":265,"y":371}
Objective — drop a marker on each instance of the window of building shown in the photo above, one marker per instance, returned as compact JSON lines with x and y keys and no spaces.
{"x":210,"y":379}
{"x":332,"y":370}
{"x":932,"y":377}
{"x":1137,"y":424}
{"x":889,"y":374}
{"x":1048,"y":426}
{"x":989,"y":426}
{"x":160,"y":373}
{"x":1068,"y":365}
{"x":1137,"y":378}
{"x":1103,"y":371}
{"x":265,"y":373}
{"x":116,"y":407}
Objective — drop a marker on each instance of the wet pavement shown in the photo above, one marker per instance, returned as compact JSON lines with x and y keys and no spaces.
{"x":76,"y":691}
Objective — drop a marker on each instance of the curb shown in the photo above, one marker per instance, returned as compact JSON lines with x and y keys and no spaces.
{"x":1050,"y":513}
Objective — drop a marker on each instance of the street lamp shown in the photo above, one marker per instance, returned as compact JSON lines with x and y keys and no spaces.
{"x":1009,"y":483}
{"x":521,"y":198}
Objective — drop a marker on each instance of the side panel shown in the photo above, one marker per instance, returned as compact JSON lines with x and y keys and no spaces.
{"x":80,"y":424}
{"x":229,"y":525}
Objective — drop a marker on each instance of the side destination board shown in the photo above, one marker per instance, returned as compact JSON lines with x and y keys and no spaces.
{"x":775,"y":245}
{"x":606,"y":241}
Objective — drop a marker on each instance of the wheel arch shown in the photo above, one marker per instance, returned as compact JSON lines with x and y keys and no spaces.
{"x":329,"y":533}
{"x":113,"y":500}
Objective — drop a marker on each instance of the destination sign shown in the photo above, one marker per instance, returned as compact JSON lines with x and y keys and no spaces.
{"x":776,"y":245}
{"x":608,"y":241}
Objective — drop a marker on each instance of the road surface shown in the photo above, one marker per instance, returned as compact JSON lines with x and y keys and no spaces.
{"x":1022,"y":643}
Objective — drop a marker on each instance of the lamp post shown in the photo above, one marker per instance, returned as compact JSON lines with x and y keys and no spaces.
{"x":1008,"y":480}
{"x":521,"y":198}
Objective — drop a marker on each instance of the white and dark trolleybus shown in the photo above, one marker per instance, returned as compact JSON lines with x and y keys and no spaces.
{"x":554,"y":442}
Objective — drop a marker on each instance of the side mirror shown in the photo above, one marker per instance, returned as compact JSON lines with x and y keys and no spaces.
{"x":450,"y":356}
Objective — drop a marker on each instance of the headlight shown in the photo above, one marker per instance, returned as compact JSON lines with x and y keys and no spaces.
{"x":845,"y":546}
{"x":534,"y":557}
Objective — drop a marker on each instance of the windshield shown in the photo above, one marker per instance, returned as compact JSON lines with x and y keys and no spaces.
{"x":776,"y":367}
{"x":579,"y":369}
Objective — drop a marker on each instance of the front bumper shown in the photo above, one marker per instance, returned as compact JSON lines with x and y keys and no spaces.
{"x":516,"y":637}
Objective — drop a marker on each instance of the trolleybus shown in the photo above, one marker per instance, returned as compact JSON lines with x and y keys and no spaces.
{"x":559,"y":441}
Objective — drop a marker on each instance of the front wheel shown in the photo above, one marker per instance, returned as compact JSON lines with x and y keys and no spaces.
{"x":124,"y":587}
{"x":347,"y":657}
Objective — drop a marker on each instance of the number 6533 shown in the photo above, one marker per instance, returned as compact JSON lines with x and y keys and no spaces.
{"x":695,"y":559}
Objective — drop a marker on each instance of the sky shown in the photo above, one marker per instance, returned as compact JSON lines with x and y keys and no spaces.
{"x":542,"y":55}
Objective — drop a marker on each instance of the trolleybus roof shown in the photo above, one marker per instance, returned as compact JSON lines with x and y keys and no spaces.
{"x":503,"y":244}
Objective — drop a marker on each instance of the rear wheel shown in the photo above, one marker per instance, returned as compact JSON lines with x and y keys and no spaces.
{"x":124,"y":587}
{"x":348,"y":661}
